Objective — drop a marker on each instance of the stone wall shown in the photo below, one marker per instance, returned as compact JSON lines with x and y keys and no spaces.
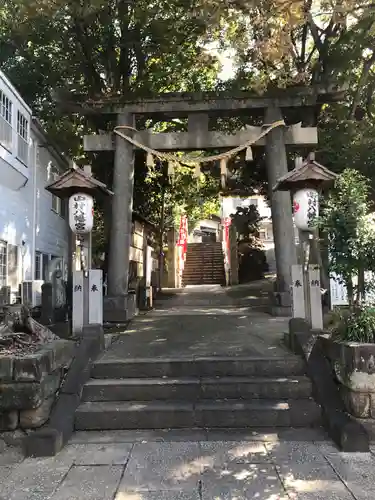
{"x":29,"y":383}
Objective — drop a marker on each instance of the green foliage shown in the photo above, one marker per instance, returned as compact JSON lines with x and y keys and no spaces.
{"x":350,"y":232}
{"x":355,"y":325}
{"x":247,"y":223}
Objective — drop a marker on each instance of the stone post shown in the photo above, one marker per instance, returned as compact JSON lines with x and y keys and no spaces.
{"x":115,"y":308}
{"x":282,"y":221}
{"x":47,"y":306}
{"x":233,"y":255}
{"x":172,"y":259}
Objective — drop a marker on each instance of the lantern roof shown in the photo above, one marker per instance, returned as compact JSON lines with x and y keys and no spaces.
{"x":75,"y":180}
{"x":309,"y":174}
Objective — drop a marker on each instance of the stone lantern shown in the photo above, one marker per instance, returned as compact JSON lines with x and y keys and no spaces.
{"x":80,"y":187}
{"x":305,"y":182}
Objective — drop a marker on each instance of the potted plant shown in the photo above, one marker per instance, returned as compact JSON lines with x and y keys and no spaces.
{"x":350,"y":339}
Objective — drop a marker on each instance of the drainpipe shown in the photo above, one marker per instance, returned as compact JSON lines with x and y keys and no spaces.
{"x":34,"y":221}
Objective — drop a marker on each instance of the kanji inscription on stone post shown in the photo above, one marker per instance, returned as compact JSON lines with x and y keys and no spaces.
{"x":298,"y":298}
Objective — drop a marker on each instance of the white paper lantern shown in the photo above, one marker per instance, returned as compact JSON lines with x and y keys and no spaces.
{"x":81,"y":217}
{"x":305,"y":208}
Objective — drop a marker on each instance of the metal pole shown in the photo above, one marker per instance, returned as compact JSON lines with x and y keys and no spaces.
{"x":305,"y":243}
{"x":161,"y":229}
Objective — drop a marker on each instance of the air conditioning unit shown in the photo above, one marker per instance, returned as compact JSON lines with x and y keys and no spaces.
{"x":31,"y":292}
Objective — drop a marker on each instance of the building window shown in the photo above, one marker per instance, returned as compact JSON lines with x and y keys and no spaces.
{"x":5,"y":121}
{"x":3,"y":263}
{"x":253,"y":201}
{"x":263,"y":234}
{"x":56,"y":204}
{"x":23,"y":138}
{"x":41,"y":266}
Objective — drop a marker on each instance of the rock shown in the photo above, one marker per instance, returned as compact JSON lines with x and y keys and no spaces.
{"x":40,"y":331}
{"x":6,"y":368}
{"x":28,"y":395}
{"x":32,"y":419}
{"x":16,"y":316}
{"x":8,"y":421}
{"x":13,"y":438}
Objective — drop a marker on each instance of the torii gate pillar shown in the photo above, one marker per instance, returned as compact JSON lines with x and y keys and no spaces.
{"x":282,"y":220}
{"x":116,"y":302}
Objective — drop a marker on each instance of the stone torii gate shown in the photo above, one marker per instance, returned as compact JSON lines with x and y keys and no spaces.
{"x":293,"y":105}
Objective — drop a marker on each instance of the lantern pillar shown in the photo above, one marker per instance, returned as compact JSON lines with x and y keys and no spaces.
{"x":282,"y":220}
{"x":115,"y":307}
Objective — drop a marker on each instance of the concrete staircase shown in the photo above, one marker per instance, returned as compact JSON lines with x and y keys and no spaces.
{"x":204,"y":264}
{"x":198,"y":393}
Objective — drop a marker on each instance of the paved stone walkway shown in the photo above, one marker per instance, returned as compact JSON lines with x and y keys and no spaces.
{"x":203,"y":321}
{"x":194,"y":465}
{"x":231,"y":465}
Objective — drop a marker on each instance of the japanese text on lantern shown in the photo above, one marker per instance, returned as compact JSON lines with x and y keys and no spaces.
{"x":79,"y":216}
{"x":311,"y":207}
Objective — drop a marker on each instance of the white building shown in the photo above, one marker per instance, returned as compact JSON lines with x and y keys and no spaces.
{"x":33,"y":226}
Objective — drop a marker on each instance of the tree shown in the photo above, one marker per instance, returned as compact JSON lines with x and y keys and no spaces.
{"x":350,"y":230}
{"x":247,"y":223}
{"x":108,"y":48}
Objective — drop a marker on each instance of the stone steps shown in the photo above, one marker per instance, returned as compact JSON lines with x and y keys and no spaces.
{"x":244,"y":366}
{"x":194,"y":388}
{"x":203,"y":414}
{"x":206,"y":392}
{"x":204,"y":264}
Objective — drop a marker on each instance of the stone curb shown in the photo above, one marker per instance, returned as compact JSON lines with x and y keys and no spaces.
{"x":49,"y":440}
{"x":344,"y":430}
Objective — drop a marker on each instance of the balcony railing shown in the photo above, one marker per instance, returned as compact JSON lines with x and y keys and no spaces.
{"x":22,"y":150}
{"x":5,"y":134}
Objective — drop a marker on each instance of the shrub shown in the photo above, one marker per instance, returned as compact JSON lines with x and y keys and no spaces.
{"x":354,"y":325}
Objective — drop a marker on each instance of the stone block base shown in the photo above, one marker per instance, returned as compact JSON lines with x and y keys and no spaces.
{"x":285,"y":312}
{"x":30,"y":382}
{"x":115,"y":309}
{"x":358,"y":404}
{"x":120,"y":309}
{"x":280,"y":304}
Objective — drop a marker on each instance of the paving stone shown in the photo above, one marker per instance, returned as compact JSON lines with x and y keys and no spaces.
{"x":4,"y":473}
{"x":312,"y":481}
{"x":98,"y":454}
{"x":356,"y":470}
{"x":216,"y":453}
{"x":34,"y":480}
{"x":242,"y":482}
{"x":295,"y":452}
{"x":10,"y":455}
{"x":89,"y":483}
{"x":156,"y":495}
{"x":124,"y":436}
{"x":163,"y":466}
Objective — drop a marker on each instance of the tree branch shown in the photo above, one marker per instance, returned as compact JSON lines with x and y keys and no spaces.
{"x":124,"y":66}
{"x":93,"y":78}
{"x":365,"y":73}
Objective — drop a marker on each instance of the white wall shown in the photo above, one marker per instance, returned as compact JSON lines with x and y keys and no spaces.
{"x":26,"y":214}
{"x":209,"y":223}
